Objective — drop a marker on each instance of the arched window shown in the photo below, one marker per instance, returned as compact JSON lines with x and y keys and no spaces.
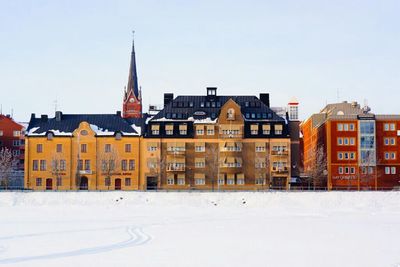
{"x":118,"y":136}
{"x":50,"y":136}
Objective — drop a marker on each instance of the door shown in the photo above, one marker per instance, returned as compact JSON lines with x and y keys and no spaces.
{"x":84,"y":183}
{"x":49,"y":184}
{"x":151,"y":183}
{"x":118,"y":184}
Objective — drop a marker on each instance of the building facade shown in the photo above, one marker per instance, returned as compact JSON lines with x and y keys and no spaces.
{"x":87,"y":152}
{"x":12,"y":136}
{"x":216,"y":142}
{"x":359,"y":149}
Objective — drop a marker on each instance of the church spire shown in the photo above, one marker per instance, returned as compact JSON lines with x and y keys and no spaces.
{"x":132,"y":79}
{"x":132,"y":105}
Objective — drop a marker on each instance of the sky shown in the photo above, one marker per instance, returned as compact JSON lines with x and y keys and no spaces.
{"x":74,"y":55}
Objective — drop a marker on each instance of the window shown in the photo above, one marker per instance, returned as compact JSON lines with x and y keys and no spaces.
{"x":200,"y":148}
{"x":387,"y":170}
{"x":170,"y":181}
{"x":387,"y":156}
{"x":16,"y":143}
{"x":345,"y":127}
{"x":107,"y":181}
{"x":393,"y":155}
{"x":1,"y":133}
{"x":38,"y":181}
{"x":124,"y":164}
{"x":43,"y":165}
{"x":352,"y":141}
{"x":340,"y":127}
{"x":392,"y":141}
{"x":278,"y":129}
{"x":127,"y":181}
{"x":393,"y":170}
{"x":352,"y":170}
{"x":340,"y":141}
{"x":210,"y":130}
{"x":352,"y":155}
{"x":260,"y":181}
{"x":346,"y":170}
{"x":183,"y":129}
{"x":83,"y":148}
{"x":59,"y":181}
{"x":181,"y":180}
{"x":340,"y":170}
{"x":35,"y":165}
{"x":200,"y":131}
{"x":59,"y":148}
{"x":351,"y":127}
{"x":230,"y":114}
{"x":16,"y":152}
{"x":131,"y":164}
{"x":200,"y":181}
{"x":128,"y":148}
{"x":155,"y":128}
{"x":200,"y":164}
{"x":393,"y":127}
{"x":240,"y":181}
{"x":107,"y":148}
{"x":17,"y":133}
{"x":340,"y":155}
{"x":50,"y":136}
{"x":169,"y":132}
{"x":151,"y":147}
{"x":254,"y":129}
{"x":63,"y":165}
{"x":346,"y":141}
{"x":87,"y":165}
{"x":230,"y":181}
{"x":39,"y":148}
{"x":84,"y":132}
{"x":118,"y":136}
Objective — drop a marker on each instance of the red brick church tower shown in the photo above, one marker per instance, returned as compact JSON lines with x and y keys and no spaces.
{"x":132,"y":106}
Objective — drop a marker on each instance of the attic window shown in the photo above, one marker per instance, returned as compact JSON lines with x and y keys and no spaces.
{"x":118,"y":136}
{"x":50,"y":136}
{"x":84,"y":132}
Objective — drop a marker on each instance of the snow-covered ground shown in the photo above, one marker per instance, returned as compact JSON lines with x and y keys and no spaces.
{"x":200,"y":229}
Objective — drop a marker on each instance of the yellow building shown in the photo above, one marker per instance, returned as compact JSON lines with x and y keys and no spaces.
{"x":87,"y":152}
{"x":215,"y":142}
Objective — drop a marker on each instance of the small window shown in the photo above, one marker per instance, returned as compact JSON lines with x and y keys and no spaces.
{"x":39,"y":148}
{"x":128,"y":148}
{"x":50,"y":136}
{"x":107,"y":181}
{"x":35,"y":165}
{"x":124,"y":164}
{"x":131,"y":164}
{"x":83,"y":148}
{"x":38,"y":181}
{"x":43,"y":165}
{"x":84,"y":132}
{"x":59,"y":148}
{"x":340,"y":127}
{"x":107,"y":148}
{"x":340,"y":170}
{"x":118,"y":136}
{"x":128,"y":182}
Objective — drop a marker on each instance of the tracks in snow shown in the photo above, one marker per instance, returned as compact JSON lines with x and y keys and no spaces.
{"x":137,"y":237}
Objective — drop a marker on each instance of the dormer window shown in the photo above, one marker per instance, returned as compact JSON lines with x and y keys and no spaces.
{"x":211,"y":91}
{"x":50,"y":136}
{"x":118,"y":136}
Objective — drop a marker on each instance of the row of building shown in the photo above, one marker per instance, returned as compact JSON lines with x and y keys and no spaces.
{"x":207,"y":142}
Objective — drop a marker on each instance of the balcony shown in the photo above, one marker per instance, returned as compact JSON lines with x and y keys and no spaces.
{"x":280,"y":170}
{"x":280,"y":152}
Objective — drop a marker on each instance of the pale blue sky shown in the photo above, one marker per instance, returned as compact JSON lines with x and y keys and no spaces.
{"x":78,"y":52}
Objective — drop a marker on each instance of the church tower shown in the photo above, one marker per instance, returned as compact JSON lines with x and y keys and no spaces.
{"x":132,"y":105}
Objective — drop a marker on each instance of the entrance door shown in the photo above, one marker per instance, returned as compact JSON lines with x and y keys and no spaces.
{"x":278,"y":183}
{"x":151,"y":183}
{"x":117,"y":184}
{"x":84,"y":183}
{"x":49,"y":184}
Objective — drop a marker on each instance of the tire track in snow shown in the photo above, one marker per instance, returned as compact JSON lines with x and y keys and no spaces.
{"x":136,"y":238}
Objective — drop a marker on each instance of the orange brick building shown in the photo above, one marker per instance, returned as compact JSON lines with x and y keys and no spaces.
{"x":360,"y":149}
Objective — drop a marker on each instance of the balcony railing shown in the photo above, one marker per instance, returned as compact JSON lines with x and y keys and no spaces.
{"x":280,"y":152}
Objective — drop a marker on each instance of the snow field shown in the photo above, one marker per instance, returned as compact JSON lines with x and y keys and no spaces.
{"x":200,"y":229}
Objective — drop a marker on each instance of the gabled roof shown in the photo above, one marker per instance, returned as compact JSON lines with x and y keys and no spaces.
{"x":102,"y":124}
{"x":192,"y":107}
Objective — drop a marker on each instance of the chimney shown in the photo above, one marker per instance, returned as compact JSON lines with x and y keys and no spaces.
{"x":168,"y":97}
{"x":44,"y":118}
{"x":118,"y":113}
{"x":58,"y":115}
{"x":264,"y":97}
{"x":33,"y":116}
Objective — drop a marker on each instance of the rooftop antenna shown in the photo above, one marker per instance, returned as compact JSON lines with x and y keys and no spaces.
{"x":12,"y":113}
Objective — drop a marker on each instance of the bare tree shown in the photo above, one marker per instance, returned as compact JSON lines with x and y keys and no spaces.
{"x":317,"y":172}
{"x":109,"y":163}
{"x":7,"y":165}
{"x":213,"y":155}
{"x":157,"y":166}
{"x":57,"y":167}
